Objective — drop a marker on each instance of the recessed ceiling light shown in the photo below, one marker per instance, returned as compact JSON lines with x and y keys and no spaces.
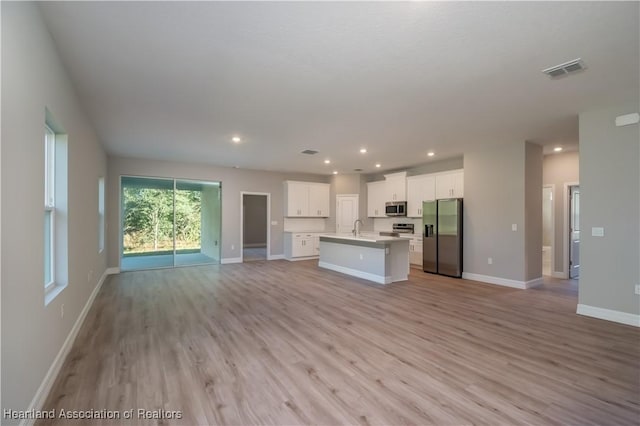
{"x":335,"y":172}
{"x":236,"y":139}
{"x":431,"y":153}
{"x":378,"y":165}
{"x":557,"y":149}
{"x":363,"y":150}
{"x":327,"y":161}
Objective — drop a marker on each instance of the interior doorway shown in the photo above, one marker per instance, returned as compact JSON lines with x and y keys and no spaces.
{"x":255,"y":219}
{"x":574,"y":231}
{"x":548,"y":230}
{"x":346,"y":212}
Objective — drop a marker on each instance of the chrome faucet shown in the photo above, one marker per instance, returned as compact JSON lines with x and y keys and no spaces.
{"x":356,"y":230}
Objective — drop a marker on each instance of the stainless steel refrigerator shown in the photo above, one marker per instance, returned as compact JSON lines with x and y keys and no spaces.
{"x":442,"y":237}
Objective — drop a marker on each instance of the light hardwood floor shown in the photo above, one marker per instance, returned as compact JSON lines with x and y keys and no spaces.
{"x":286,"y":343}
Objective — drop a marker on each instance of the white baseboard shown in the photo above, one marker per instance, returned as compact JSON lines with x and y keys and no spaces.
{"x":536,"y":282}
{"x":561,"y":275}
{"x":229,"y":260}
{"x":112,"y":271}
{"x":295,"y":259}
{"x":502,"y":281}
{"x":275,"y":257}
{"x":49,"y":379}
{"x":354,"y":272}
{"x":609,"y":315}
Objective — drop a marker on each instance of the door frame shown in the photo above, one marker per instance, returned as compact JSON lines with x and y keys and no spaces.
{"x":553,"y":227}
{"x":567,"y":212}
{"x":356,"y":196}
{"x":241,"y":245}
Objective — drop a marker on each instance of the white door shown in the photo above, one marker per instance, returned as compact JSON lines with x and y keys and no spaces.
{"x":574,"y":246}
{"x":346,"y":213}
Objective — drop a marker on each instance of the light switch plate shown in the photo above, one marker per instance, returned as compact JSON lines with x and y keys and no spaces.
{"x":274,"y":222}
{"x":638,"y":289}
{"x":597,"y":232}
{"x":514,"y":227}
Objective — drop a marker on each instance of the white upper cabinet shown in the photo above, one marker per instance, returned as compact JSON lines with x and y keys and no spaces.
{"x":319,"y":200}
{"x":414,"y":190}
{"x":396,"y":187}
{"x":306,"y":199}
{"x":376,"y":197}
{"x":450,"y":184}
{"x":296,"y":196}
{"x":419,"y":188}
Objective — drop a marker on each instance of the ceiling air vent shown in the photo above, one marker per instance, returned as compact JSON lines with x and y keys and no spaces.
{"x":564,"y":69}
{"x":357,"y":170}
{"x":310,"y":152}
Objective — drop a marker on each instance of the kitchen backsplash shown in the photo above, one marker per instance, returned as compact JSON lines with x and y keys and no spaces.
{"x":295,"y":224}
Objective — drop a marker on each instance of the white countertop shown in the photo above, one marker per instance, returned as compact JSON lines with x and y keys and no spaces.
{"x":304,"y":232}
{"x":364,"y":238}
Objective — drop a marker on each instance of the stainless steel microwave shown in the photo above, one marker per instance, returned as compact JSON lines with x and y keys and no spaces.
{"x":395,"y":208}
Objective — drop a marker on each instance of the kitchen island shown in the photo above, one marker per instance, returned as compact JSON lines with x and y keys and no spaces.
{"x":379,"y":259}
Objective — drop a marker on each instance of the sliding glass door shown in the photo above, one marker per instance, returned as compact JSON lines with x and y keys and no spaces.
{"x":167,"y":222}
{"x":197,"y":222}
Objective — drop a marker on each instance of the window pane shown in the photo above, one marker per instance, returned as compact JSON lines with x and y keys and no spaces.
{"x":101,"y":214}
{"x":49,"y":167}
{"x":48,"y":261}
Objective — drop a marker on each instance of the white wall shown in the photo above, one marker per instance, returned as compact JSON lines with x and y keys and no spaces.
{"x":547,"y":217}
{"x":610,"y":198}
{"x":32,"y":79}
{"x":233,"y":181}
{"x":558,"y":170}
{"x":533,"y":211}
{"x":497,"y":181}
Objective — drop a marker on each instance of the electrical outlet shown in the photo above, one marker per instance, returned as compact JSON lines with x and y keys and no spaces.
{"x":62,"y":311}
{"x":361,"y":256}
{"x":514,"y":226}
{"x":274,"y":222}
{"x":233,"y":247}
{"x":638,"y":289}
{"x":490,"y":261}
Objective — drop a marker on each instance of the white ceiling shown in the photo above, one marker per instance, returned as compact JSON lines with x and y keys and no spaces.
{"x":176,"y":80}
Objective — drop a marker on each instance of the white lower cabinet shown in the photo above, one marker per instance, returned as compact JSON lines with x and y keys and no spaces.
{"x":415,"y":251}
{"x":316,"y":245}
{"x":301,"y":245}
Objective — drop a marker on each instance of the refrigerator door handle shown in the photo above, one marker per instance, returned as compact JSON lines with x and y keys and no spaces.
{"x":428,"y":231}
